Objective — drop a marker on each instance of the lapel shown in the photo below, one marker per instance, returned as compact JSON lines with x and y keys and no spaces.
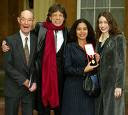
{"x":32,"y":48}
{"x":105,"y":46}
{"x":41,"y":37}
{"x":65,"y":33}
{"x":20,"y":48}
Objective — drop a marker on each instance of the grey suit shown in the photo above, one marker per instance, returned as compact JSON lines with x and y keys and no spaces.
{"x":17,"y":72}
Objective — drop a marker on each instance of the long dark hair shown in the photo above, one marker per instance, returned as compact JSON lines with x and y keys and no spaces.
{"x":54,"y":8}
{"x":114,"y":29}
{"x":91,"y":34}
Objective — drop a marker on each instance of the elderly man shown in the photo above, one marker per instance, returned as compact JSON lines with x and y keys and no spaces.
{"x":18,"y":63}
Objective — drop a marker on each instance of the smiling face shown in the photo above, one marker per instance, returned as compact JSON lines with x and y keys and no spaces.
{"x":81,"y":31}
{"x":25,"y":21}
{"x":57,"y":18}
{"x":103,"y":25}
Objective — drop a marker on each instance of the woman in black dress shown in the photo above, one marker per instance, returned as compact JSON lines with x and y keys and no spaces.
{"x":75,"y":100}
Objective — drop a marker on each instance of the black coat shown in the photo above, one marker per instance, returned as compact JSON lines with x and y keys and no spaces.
{"x":75,"y":100}
{"x":112,"y":75}
{"x":40,"y":32}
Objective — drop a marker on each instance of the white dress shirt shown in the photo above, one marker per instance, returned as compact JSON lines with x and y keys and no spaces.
{"x":59,"y":40}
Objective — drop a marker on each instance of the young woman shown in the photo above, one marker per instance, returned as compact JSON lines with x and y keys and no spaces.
{"x":111,"y":47}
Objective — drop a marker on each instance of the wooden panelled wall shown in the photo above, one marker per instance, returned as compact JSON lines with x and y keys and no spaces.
{"x":9,"y":11}
{"x":71,"y":7}
{"x":126,"y":34}
{"x":126,"y":18}
{"x":4,"y":24}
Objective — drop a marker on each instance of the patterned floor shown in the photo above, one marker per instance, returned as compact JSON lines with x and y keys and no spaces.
{"x":35,"y":113}
{"x":2,"y":108}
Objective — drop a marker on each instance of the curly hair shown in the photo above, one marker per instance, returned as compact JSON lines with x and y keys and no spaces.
{"x":114,"y":29}
{"x":91,"y":34}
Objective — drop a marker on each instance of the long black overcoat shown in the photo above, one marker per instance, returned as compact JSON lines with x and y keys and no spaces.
{"x":40,"y":32}
{"x":112,"y":75}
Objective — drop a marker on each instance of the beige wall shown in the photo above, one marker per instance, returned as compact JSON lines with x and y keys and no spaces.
{"x":41,"y":9}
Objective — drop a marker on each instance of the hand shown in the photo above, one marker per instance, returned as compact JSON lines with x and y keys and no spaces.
{"x":4,"y":46}
{"x":33,"y":87}
{"x":90,"y":67}
{"x":52,"y":112}
{"x":118,"y":92}
{"x":26,"y":83}
{"x":97,"y":57}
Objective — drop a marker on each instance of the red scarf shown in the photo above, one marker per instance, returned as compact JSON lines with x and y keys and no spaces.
{"x":50,"y":95}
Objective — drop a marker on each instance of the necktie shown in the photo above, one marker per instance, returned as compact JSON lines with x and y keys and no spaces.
{"x":26,"y":50}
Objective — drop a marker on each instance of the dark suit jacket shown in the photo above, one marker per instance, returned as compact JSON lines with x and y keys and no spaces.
{"x":16,"y":69}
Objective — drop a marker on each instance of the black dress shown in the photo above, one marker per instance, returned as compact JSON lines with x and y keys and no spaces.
{"x":75,"y":100}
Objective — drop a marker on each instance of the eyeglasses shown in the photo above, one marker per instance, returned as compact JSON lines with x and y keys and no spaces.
{"x":26,"y":20}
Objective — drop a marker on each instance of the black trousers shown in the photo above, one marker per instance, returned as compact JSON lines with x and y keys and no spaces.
{"x":12,"y":105}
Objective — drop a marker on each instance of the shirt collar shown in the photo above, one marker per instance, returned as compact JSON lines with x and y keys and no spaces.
{"x":24,"y":36}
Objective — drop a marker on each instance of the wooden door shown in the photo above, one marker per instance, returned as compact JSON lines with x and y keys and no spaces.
{"x":71,"y":9}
